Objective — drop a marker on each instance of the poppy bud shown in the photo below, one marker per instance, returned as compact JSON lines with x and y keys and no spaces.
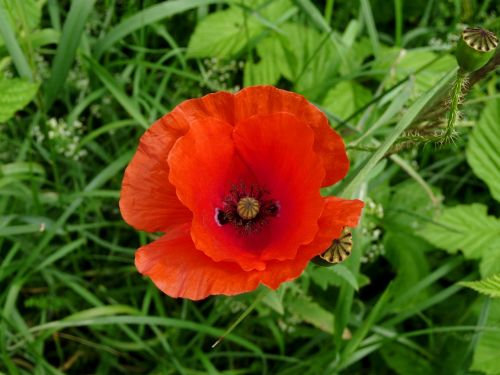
{"x":475,"y":48}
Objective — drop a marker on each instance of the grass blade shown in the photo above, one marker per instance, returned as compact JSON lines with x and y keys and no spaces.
{"x":353,"y":181}
{"x":145,"y":17}
{"x":66,"y":50}
{"x":122,"y":98}
{"x":9,"y":37}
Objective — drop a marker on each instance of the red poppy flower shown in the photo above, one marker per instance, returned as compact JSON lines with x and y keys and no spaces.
{"x":234,"y":182}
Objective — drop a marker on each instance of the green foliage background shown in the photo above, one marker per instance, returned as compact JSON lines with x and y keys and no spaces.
{"x":81,"y":80}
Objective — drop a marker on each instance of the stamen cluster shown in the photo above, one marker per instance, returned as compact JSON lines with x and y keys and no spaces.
{"x":239,"y":196}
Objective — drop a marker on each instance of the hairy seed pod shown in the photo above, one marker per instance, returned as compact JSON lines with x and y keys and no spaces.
{"x":475,"y":48}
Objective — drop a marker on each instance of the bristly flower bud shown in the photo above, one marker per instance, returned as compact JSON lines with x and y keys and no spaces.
{"x":475,"y":48}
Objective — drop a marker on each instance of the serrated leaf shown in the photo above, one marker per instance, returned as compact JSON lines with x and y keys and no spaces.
{"x":15,"y":94}
{"x":29,"y":11}
{"x":482,"y":151}
{"x":345,"y":98}
{"x":489,"y":286}
{"x":264,"y":72}
{"x":222,"y":34}
{"x":308,"y":60}
{"x":312,"y":313}
{"x":465,"y":227}
{"x":490,"y":262}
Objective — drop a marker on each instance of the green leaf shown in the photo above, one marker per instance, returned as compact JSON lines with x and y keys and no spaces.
{"x":482,"y":150}
{"x":356,"y":177}
{"x":486,"y":354}
{"x":345,"y":98}
{"x":144,"y":18}
{"x":403,"y":63}
{"x":464,"y":227}
{"x":266,"y":71}
{"x":490,"y":262}
{"x":222,"y":34}
{"x":405,"y":361}
{"x":15,"y":94}
{"x":309,"y":58}
{"x":489,"y":286}
{"x":20,"y":11}
{"x":406,"y":254}
{"x":346,"y":274}
{"x":409,"y":209}
{"x":311,"y":312}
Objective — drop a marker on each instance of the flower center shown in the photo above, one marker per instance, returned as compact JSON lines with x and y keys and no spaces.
{"x":246,"y":208}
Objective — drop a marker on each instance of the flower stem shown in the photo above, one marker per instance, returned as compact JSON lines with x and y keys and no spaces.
{"x":455,"y":99}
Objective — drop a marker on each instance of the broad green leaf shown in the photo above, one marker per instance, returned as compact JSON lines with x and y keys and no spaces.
{"x":345,"y":98}
{"x":486,"y":353}
{"x":24,"y":12}
{"x":406,"y":254}
{"x":274,"y":300}
{"x":490,"y":262}
{"x":489,"y":286}
{"x":311,"y":312}
{"x":346,"y":274}
{"x":310,"y":58}
{"x":483,"y":149}
{"x":222,"y":34}
{"x":403,"y":63}
{"x":464,"y":227}
{"x":144,"y":18}
{"x":405,"y":361}
{"x":330,"y":276}
{"x":15,"y":94}
{"x":266,"y":71}
{"x":409,"y":209}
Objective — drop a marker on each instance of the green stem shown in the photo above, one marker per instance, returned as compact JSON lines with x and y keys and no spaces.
{"x":245,"y":313}
{"x":455,"y":98}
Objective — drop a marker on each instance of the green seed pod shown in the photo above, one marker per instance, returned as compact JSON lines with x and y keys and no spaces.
{"x":475,"y":48}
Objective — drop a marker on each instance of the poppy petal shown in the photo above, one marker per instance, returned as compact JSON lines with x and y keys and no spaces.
{"x":204,"y":165}
{"x":285,"y":164}
{"x":180,"y":270}
{"x":264,"y":100}
{"x":147,"y":200}
{"x":330,"y":228}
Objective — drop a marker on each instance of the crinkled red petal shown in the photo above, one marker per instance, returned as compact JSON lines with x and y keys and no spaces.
{"x":265,"y":100}
{"x":180,"y":270}
{"x":148,"y":201}
{"x":285,"y":164}
{"x":204,"y":166}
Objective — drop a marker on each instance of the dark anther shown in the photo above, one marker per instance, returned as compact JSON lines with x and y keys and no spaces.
{"x":222,"y":218}
{"x":272,"y":209}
